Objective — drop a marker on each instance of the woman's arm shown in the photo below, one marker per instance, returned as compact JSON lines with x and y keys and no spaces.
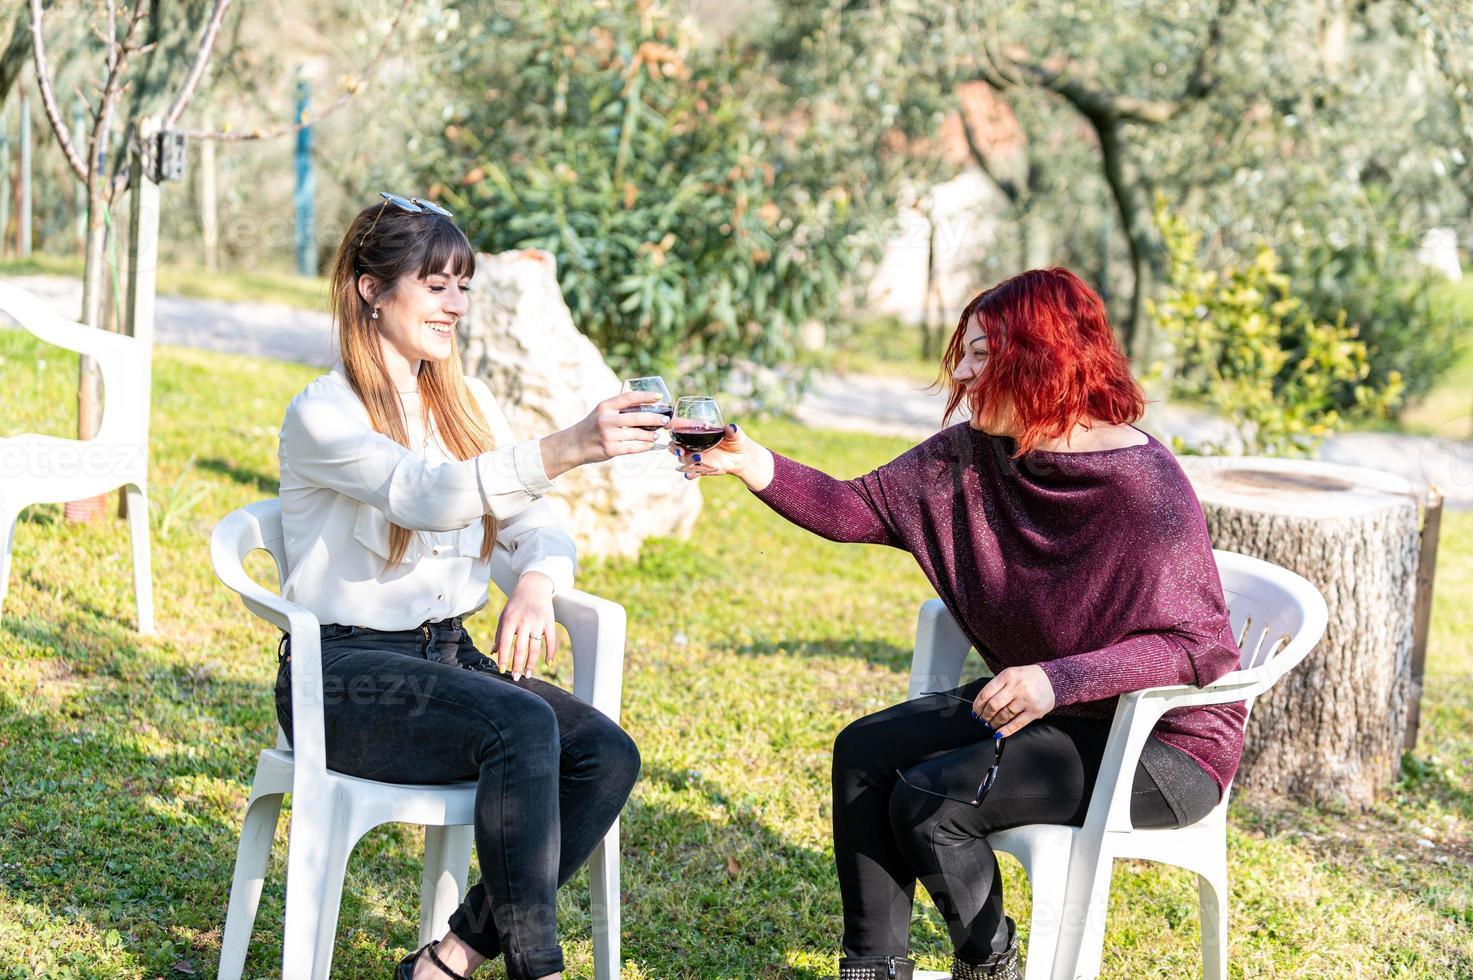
{"x":1020,"y":695}
{"x":543,"y":559}
{"x":1151,"y":659}
{"x":325,"y":444}
{"x":536,"y":542}
{"x":839,"y":510}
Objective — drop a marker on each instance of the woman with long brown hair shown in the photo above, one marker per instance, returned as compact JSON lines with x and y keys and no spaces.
{"x":401,"y":487}
{"x":1069,"y":547}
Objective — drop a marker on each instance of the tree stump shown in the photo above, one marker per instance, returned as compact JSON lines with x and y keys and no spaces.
{"x":1332,"y":729}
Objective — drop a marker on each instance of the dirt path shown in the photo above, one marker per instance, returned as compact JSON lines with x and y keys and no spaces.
{"x":263,"y":329}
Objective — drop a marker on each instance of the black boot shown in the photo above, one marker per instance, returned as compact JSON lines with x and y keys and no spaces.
{"x":876,"y":968}
{"x":998,"y":966}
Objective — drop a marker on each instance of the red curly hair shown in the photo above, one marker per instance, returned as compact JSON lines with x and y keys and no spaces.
{"x":1052,"y":358}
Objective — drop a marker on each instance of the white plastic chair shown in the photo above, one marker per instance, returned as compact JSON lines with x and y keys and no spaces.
{"x":37,"y":469}
{"x":1277,"y":617}
{"x":331,"y":811}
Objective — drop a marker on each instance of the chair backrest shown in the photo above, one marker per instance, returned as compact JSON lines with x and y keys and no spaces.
{"x":1277,"y":616}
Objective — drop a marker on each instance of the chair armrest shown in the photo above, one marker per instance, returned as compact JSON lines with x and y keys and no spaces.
{"x":38,"y":319}
{"x":597,"y":628}
{"x":941,"y":650}
{"x":1136,"y":715}
{"x":309,"y":740}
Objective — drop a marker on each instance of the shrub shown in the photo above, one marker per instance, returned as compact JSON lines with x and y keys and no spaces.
{"x":599,"y":133}
{"x":1406,"y":317}
{"x":1253,"y":351}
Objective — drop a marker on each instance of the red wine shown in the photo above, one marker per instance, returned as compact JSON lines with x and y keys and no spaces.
{"x":666,"y":410}
{"x":697,"y":439}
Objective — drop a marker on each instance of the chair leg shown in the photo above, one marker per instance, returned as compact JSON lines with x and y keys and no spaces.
{"x":1212,"y":899}
{"x":142,"y":571}
{"x":447,"y":863}
{"x":8,"y":521}
{"x":256,"y":834}
{"x":317,"y":858}
{"x":1048,"y":877}
{"x":604,"y":903}
{"x":1081,"y":943}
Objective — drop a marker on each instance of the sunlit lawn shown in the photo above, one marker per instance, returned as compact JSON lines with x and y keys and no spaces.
{"x":125,"y":761}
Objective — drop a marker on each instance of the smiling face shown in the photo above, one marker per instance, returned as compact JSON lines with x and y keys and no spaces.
{"x":968,"y":371}
{"x":416,"y":316}
{"x":974,"y":354}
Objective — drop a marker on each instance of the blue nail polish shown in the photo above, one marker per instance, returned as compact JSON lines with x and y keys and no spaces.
{"x":734,"y":427}
{"x":996,"y":736}
{"x":679,"y":454}
{"x":697,"y":457}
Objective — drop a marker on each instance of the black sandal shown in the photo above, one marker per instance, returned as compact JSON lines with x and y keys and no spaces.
{"x":405,"y":970}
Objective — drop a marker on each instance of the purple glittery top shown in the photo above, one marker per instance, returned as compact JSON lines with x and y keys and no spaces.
{"x":1096,"y":566}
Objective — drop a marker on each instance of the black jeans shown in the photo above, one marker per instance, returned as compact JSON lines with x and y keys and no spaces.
{"x":552,"y":772}
{"x":888,"y":835}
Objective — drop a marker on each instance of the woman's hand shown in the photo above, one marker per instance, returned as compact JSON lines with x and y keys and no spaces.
{"x":525,"y":623}
{"x":735,"y":455}
{"x":1015,"y":697}
{"x":604,"y":433}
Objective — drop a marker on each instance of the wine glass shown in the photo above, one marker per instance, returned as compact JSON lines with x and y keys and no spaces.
{"x":697,"y":425}
{"x":663,"y":407}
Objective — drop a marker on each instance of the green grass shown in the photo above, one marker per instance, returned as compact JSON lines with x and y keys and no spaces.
{"x":125,"y":761}
{"x":179,"y":279}
{"x":1447,"y":410}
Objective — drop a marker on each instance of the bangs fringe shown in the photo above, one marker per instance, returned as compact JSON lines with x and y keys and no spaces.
{"x":446,"y":247}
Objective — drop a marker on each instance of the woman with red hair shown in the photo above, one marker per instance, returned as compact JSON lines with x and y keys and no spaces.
{"x":1071,"y":550}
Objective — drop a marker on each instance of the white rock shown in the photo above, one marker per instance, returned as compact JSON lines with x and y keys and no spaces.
{"x":519,"y":337}
{"x":813,"y":336}
{"x":1439,"y":250}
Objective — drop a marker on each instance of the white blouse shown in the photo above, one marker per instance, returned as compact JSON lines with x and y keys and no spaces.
{"x":342,"y":483}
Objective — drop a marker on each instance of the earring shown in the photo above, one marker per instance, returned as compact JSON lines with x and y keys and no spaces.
{"x":375,"y":314}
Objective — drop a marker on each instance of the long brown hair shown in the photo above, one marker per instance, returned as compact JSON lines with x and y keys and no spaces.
{"x":405,"y":244}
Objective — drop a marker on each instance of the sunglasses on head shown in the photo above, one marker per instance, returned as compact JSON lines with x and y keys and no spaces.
{"x":413,"y":205}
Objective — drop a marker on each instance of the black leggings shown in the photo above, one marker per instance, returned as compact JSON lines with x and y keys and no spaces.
{"x":888,"y":835}
{"x":425,"y":706}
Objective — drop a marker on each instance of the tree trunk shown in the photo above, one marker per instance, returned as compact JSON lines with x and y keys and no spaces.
{"x":1038,"y":241}
{"x":1332,"y":729}
{"x":89,"y":379}
{"x":1132,"y":196}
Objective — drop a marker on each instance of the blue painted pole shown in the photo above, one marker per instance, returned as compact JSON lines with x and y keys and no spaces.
{"x":305,"y":191}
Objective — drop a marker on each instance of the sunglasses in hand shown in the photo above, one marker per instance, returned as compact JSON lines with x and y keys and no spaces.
{"x":990,"y":777}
